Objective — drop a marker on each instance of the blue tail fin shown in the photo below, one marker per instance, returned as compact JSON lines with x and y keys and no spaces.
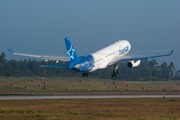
{"x":72,"y":55}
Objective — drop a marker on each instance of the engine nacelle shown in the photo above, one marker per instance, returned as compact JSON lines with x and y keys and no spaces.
{"x":131,"y":64}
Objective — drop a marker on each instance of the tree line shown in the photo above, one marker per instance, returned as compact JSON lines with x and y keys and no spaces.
{"x":147,"y":70}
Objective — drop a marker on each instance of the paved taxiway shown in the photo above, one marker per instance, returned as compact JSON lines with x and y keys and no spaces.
{"x":31,"y":97}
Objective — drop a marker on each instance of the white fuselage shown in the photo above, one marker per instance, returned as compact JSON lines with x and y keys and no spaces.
{"x":110,"y":54}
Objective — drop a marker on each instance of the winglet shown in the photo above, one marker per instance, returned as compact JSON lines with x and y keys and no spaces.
{"x":172,"y":52}
{"x":11,"y":51}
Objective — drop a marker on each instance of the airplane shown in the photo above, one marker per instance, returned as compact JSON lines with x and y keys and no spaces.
{"x":110,"y":55}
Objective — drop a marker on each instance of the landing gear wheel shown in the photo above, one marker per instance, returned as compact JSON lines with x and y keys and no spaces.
{"x":114,"y":72}
{"x":116,"y":75}
{"x":83,"y":74}
{"x":117,"y":71}
{"x":112,"y":75}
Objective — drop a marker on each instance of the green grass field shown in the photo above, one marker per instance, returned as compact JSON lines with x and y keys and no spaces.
{"x":91,"y":109}
{"x":88,"y":86}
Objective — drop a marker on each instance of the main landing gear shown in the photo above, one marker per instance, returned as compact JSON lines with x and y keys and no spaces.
{"x":85,"y":74}
{"x":115,"y":71}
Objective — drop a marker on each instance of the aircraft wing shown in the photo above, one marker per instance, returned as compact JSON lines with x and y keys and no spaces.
{"x":136,"y":58}
{"x":41,"y":56}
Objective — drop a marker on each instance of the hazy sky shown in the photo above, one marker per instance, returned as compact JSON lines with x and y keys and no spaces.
{"x":40,"y":26}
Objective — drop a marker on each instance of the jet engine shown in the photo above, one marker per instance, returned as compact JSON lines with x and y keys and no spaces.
{"x":131,"y":64}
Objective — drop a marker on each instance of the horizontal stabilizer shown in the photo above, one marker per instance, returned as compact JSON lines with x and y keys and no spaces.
{"x":57,"y":66}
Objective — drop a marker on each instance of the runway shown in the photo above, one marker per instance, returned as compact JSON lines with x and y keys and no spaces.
{"x":36,"y":97}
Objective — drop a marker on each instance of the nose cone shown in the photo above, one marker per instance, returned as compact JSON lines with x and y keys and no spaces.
{"x":126,"y":43}
{"x":129,"y":46}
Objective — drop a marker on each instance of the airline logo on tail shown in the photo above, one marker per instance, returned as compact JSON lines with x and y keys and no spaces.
{"x":70,"y":53}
